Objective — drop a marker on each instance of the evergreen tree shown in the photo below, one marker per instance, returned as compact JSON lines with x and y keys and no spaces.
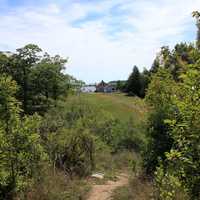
{"x":133,"y":86}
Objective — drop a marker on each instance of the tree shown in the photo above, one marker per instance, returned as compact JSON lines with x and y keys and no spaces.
{"x":41,"y":79}
{"x":175,"y":61}
{"x":155,"y":66}
{"x":120,"y":85}
{"x":48,"y":82}
{"x":133,"y":86}
{"x":24,"y":61}
{"x":145,"y":79}
{"x":4,"y":64}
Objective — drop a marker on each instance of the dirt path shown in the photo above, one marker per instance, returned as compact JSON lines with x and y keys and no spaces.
{"x":104,"y":192}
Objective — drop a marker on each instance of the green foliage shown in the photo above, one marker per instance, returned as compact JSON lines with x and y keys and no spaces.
{"x":137,"y":83}
{"x":159,"y":97}
{"x":176,"y":60}
{"x":48,"y":82}
{"x":133,"y":86}
{"x":20,"y":149}
{"x":72,"y":136}
{"x":177,"y":173}
{"x":40,"y":78}
{"x":121,"y":85}
{"x":77,"y":136}
{"x":75,"y":155}
{"x":168,"y":186}
{"x":23,"y":62}
{"x":145,"y":80}
{"x":67,"y":140}
{"x":9,"y":104}
{"x":185,"y":154}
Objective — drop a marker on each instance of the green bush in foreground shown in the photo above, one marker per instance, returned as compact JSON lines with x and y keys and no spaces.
{"x":20,"y":149}
{"x":160,"y":99}
{"x":177,"y":165}
{"x":183,"y":160}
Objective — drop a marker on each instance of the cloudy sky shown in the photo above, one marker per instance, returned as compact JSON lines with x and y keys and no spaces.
{"x":102,"y":38}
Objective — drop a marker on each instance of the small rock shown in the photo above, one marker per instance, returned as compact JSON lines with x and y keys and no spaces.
{"x":97,"y":175}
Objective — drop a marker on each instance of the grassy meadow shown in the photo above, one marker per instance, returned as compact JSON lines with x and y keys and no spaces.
{"x":119,"y":105}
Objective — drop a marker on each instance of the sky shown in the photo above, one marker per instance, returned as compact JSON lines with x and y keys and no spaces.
{"x":103,"y":39}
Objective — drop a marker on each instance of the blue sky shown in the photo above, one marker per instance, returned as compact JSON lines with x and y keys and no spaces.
{"x":102,"y":38}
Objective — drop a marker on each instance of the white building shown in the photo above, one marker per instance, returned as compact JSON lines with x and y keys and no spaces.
{"x":88,"y":88}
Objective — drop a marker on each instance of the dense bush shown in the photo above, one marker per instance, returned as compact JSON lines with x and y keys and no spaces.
{"x":174,"y":134}
{"x":159,"y":98}
{"x":69,"y":144}
{"x":183,"y":160}
{"x":20,"y":148}
{"x":174,"y":151}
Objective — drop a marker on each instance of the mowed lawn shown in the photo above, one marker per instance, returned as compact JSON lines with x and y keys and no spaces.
{"x":121,"y":106}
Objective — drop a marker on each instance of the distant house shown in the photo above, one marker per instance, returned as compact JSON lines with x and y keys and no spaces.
{"x":101,"y":86}
{"x":105,"y":87}
{"x":88,"y":88}
{"x":109,"y":88}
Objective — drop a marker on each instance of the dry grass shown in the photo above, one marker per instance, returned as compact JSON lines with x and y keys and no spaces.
{"x":139,"y":188}
{"x":56,"y":186}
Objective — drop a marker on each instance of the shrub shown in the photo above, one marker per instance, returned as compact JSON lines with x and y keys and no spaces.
{"x":20,"y":150}
{"x":168,"y":186}
{"x":75,"y":155}
{"x":160,"y":98}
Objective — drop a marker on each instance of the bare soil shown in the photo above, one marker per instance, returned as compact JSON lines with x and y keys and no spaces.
{"x":104,"y":192}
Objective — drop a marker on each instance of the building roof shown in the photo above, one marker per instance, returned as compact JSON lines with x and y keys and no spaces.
{"x":102,"y":84}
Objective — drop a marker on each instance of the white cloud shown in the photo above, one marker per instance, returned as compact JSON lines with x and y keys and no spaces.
{"x":95,"y":55}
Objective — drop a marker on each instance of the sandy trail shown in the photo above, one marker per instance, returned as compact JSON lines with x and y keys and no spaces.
{"x":104,"y":192}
